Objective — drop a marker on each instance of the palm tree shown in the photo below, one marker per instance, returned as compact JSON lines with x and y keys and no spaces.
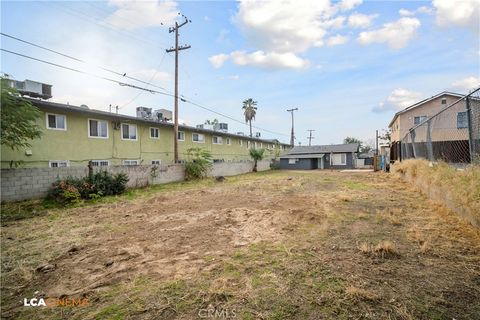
{"x":257,"y":155}
{"x":249,"y":110}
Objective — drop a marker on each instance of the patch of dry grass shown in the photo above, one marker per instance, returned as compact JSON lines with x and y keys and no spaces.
{"x":384,"y":249}
{"x":361,"y":294}
{"x":458,"y":189}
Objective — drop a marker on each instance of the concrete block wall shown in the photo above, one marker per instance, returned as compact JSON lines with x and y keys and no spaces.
{"x":34,"y":183}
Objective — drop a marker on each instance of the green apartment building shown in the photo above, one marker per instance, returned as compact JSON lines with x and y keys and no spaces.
{"x":73,"y":136}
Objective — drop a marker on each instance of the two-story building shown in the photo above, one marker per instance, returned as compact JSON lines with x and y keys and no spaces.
{"x":449,"y":127}
{"x":75,"y":135}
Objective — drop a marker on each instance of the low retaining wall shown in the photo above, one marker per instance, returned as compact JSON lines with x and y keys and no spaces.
{"x":33,"y":183}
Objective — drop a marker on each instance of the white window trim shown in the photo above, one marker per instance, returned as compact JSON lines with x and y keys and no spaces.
{"x":159,"y":162}
{"x":241,"y":142}
{"x":334,"y":156}
{"x":55,"y":114}
{"x":88,"y":128}
{"x":228,"y":141}
{"x":107,"y":161}
{"x":137,"y":162}
{"x":129,"y":124}
{"x":218,"y":137}
{"x":183,"y":136}
{"x":151,"y":133}
{"x":51,"y":161}
{"x":198,"y":134}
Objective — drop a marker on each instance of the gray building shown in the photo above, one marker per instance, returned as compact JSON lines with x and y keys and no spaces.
{"x":335,"y":156}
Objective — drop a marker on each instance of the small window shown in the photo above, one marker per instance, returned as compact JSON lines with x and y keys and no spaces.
{"x":58,"y":163}
{"x":217,"y":140}
{"x":419,"y":119}
{"x":292,"y":161}
{"x":198,"y":137}
{"x":100,"y":163}
{"x":129,"y":131}
{"x":462,"y":120}
{"x":444,"y":101}
{"x":154,"y":133}
{"x":131,"y":162}
{"x":240,"y":141}
{"x":56,"y":121}
{"x":229,"y":141}
{"x":248,"y":144}
{"x":339,"y":159}
{"x":159,"y":162}
{"x":97,"y":128}
{"x":181,"y":136}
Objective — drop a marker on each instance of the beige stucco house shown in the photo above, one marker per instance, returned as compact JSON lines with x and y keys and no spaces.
{"x":449,"y":125}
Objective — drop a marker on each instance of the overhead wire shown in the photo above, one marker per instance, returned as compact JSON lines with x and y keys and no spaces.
{"x":182,"y":98}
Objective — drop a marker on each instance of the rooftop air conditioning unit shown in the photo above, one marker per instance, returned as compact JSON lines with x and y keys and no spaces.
{"x":257,"y":134}
{"x":32,"y":88}
{"x":240,"y":133}
{"x":163,"y":115}
{"x":144,"y":113}
{"x":223,"y":127}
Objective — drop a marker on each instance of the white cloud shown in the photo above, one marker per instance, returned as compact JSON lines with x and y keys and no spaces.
{"x":140,"y":14}
{"x":271,"y":60}
{"x":464,"y":13}
{"x":359,"y":20}
{"x":410,"y":13}
{"x":395,"y":34}
{"x":337,"y":40}
{"x":218,"y":60}
{"x":467,"y":83}
{"x":397,"y":100}
{"x":346,"y":5}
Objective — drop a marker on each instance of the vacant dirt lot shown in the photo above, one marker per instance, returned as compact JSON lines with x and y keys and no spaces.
{"x":272,"y":245}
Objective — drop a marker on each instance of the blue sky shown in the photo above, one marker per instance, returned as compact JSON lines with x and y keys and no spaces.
{"x":347,"y":65}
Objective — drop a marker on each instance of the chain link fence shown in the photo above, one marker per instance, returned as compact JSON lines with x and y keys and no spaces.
{"x":451,"y":135}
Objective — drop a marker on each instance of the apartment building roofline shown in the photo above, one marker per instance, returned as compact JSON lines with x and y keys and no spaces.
{"x":415,"y":105}
{"x":121,"y":117}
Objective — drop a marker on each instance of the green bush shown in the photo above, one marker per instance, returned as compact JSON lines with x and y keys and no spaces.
{"x":198,"y":164}
{"x":72,"y":190}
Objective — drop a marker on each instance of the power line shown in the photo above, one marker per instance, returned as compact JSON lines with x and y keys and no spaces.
{"x":79,"y":60}
{"x":310,"y":137}
{"x":182,"y":98}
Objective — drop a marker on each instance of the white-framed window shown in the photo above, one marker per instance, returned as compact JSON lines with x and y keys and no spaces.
{"x":292,"y":161}
{"x":339,"y":159}
{"x":58,"y":163}
{"x":419,"y":119}
{"x":131,"y":162}
{"x":154,"y":133}
{"x":198,"y":137}
{"x":240,"y":142}
{"x":261,"y":145}
{"x":248,"y":144}
{"x":181,"y":136}
{"x":255,"y":144}
{"x":217,"y":140}
{"x":462,"y":120}
{"x":129,"y":131}
{"x":97,"y":128}
{"x":56,"y":121}
{"x":229,"y":141}
{"x":159,"y":162}
{"x":100,"y":163}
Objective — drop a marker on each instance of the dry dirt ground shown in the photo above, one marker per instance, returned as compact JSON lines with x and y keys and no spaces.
{"x":272,"y":245}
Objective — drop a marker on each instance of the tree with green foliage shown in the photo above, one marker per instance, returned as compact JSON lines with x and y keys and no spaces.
{"x":249,"y":111}
{"x":198,"y":164}
{"x":256,"y":154}
{"x":212,"y":122}
{"x":18,"y":119}
{"x":363,"y":147}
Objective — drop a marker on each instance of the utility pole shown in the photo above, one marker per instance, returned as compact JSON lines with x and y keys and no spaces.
{"x":176,"y":50}
{"x":292,"y":138}
{"x":310,"y":137}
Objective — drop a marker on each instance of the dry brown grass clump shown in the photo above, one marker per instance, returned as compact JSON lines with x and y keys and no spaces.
{"x":384,"y":249}
{"x":359,"y":293}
